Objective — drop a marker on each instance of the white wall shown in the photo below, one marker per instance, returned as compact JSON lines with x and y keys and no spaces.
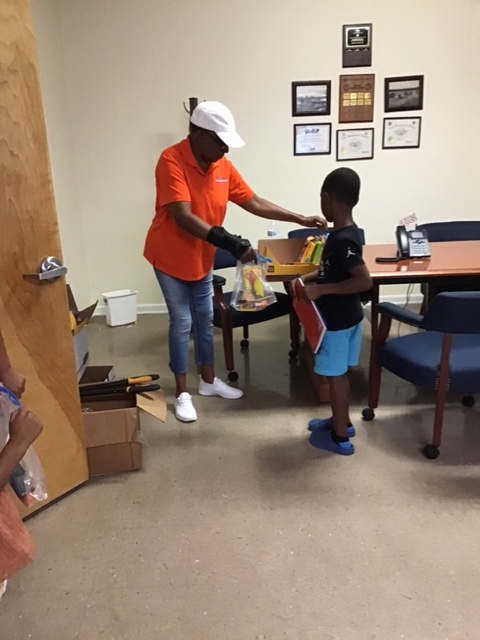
{"x":130,"y":65}
{"x":59,"y":130}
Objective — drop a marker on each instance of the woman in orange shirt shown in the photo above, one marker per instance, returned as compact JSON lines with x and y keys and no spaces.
{"x":195,"y":182}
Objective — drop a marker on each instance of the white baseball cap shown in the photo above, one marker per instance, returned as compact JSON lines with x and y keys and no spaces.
{"x":215,"y":116}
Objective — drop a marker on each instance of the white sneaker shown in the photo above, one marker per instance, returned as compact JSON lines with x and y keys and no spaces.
{"x":184,"y":409}
{"x":3,"y":588}
{"x":219,"y":388}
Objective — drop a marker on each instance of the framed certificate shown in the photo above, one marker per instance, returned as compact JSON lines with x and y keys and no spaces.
{"x":401,"y":133}
{"x":355,"y":144}
{"x":312,"y":139}
{"x":356,"y":99}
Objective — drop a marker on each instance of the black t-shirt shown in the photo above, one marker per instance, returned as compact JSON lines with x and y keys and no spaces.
{"x":342,"y":252}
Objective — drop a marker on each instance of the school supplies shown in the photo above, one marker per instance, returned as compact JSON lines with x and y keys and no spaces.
{"x":309,"y":316}
{"x":251,"y":291}
{"x":312,"y":250}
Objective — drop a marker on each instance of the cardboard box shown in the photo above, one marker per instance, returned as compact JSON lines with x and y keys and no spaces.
{"x":80,"y":346}
{"x":101,"y":373}
{"x":112,"y":429}
{"x":78,"y":323}
{"x":112,"y":426}
{"x":284,"y":255}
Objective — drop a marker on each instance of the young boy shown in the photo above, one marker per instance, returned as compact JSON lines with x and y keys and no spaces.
{"x":335,"y":290}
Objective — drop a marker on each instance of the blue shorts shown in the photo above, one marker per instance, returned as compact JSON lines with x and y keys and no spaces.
{"x":339,"y":351}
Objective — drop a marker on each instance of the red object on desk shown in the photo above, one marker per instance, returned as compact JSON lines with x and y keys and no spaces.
{"x":309,"y":316}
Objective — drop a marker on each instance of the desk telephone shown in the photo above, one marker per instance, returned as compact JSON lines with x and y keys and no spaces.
{"x":411,"y":245}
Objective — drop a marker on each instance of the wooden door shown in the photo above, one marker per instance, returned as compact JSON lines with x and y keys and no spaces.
{"x":33,"y":314}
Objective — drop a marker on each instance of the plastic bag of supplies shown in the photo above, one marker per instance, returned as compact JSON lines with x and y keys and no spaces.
{"x":28,"y":479}
{"x":251,"y":291}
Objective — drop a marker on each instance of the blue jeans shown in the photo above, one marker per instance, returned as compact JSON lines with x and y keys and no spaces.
{"x":189,"y":304}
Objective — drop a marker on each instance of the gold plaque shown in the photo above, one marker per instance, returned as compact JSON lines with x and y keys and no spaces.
{"x":356,"y":98}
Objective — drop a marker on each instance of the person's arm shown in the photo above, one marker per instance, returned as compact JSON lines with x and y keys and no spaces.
{"x":9,"y":377}
{"x":270,"y":211}
{"x":308,"y":277}
{"x":25,"y":428}
{"x":218,"y":236}
{"x":358,"y":282}
{"x":182,"y":213}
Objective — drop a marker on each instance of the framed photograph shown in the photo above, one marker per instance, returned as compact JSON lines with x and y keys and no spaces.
{"x":312,"y":139}
{"x":401,"y":133}
{"x":404,"y":93}
{"x":356,"y":98}
{"x":355,"y":144}
{"x":311,"y":98}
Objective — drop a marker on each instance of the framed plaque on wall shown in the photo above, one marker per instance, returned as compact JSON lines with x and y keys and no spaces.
{"x":357,"y":45}
{"x":356,"y":98}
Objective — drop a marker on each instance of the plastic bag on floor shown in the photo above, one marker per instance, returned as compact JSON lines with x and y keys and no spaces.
{"x":251,"y":291}
{"x":28,"y":479}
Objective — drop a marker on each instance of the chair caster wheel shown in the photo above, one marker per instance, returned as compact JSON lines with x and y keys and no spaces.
{"x":368,"y":414}
{"x":468,"y":401}
{"x":292,"y":354}
{"x":244,"y":344}
{"x":232,"y":376}
{"x":431,"y":452}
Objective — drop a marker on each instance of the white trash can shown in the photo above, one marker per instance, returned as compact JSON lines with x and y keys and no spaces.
{"x":121,"y":307}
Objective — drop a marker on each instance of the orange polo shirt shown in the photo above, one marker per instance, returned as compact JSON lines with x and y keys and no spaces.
{"x":170,"y":248}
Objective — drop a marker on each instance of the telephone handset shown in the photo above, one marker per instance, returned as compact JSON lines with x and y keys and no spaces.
{"x":411,"y":244}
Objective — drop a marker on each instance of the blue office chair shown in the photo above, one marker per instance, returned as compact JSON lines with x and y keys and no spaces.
{"x":227,"y":318}
{"x":456,"y":231}
{"x":444,"y":357}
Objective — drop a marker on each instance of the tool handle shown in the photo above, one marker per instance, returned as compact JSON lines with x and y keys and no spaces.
{"x":112,"y":391}
{"x":142,"y":388}
{"x":144,"y":379}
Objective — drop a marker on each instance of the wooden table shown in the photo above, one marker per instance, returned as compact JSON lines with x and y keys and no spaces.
{"x":449,"y":260}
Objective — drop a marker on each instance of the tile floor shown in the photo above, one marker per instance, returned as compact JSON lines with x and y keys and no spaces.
{"x":237,"y":529}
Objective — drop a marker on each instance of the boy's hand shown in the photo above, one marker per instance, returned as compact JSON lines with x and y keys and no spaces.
{"x":315,"y":221}
{"x":312,"y":292}
{"x":291,"y":288}
{"x":25,"y":428}
{"x":13,"y":381}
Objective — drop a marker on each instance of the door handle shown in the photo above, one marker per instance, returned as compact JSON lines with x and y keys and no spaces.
{"x":50,"y":270}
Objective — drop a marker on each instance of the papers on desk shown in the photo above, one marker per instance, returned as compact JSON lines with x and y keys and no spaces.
{"x":310,"y":317}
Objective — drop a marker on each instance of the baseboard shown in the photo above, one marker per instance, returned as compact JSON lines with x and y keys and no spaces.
{"x":161,"y":307}
{"x":142,"y":309}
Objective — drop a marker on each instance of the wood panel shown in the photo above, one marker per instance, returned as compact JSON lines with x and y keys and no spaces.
{"x":34,"y":315}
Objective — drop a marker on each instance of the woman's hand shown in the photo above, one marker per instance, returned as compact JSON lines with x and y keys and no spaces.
{"x":13,"y":381}
{"x":314,"y":221}
{"x":250,"y":255}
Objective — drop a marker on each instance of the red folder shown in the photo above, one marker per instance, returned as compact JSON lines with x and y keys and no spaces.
{"x":310,"y":317}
